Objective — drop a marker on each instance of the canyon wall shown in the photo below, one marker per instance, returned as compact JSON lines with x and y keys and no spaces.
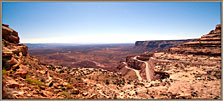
{"x":159,"y":45}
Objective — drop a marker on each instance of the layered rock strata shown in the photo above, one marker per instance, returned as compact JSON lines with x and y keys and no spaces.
{"x":209,"y":44}
{"x":12,"y":52}
{"x":159,"y":45}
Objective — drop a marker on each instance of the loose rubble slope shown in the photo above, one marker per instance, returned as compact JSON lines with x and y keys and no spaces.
{"x":25,"y":77}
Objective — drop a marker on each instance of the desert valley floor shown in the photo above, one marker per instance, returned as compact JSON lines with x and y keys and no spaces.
{"x":168,"y":69}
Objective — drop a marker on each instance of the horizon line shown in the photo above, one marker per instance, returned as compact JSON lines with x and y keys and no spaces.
{"x":105,"y":42}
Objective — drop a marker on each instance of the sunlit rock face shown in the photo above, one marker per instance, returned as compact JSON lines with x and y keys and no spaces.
{"x":209,"y":44}
{"x":12,"y":51}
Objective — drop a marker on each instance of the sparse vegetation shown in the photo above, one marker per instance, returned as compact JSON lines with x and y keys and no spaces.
{"x":3,"y":72}
{"x":66,"y":94}
{"x":70,"y":86}
{"x":176,"y":65}
{"x":63,"y":88}
{"x":5,"y":44}
{"x":35,"y":81}
{"x":36,"y":87}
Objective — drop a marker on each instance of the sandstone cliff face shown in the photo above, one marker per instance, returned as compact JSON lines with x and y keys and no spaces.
{"x":135,"y":64}
{"x":159,"y":45}
{"x":12,"y":51}
{"x":9,"y":34}
{"x":209,"y":44}
{"x":142,"y":67}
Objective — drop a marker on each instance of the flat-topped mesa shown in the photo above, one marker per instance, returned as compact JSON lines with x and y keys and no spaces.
{"x":159,"y":45}
{"x":209,"y":44}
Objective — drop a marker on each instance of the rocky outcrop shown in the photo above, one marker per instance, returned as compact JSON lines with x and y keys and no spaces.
{"x":12,"y":51}
{"x":159,"y":45}
{"x":141,"y":66}
{"x":22,"y":71}
{"x":135,"y":64}
{"x":9,"y":34}
{"x":188,"y":71}
{"x":209,"y":44}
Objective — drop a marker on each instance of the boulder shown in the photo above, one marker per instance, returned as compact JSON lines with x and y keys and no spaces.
{"x":218,"y":28}
{"x":22,"y":71}
{"x":46,"y":93}
{"x":10,"y":35}
{"x":12,"y":84}
{"x":6,"y":52}
{"x":23,"y":49}
{"x":75,"y":91}
{"x":13,"y":61}
{"x":85,"y":94}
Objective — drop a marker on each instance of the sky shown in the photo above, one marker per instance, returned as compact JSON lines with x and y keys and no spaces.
{"x":109,"y":22}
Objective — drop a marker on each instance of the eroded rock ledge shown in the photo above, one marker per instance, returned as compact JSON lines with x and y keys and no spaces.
{"x":12,"y":51}
{"x":209,"y":44}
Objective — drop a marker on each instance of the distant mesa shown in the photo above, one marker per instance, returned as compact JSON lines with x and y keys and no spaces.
{"x":159,"y":45}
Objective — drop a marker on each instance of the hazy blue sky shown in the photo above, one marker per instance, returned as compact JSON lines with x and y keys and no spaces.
{"x":109,"y":22}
